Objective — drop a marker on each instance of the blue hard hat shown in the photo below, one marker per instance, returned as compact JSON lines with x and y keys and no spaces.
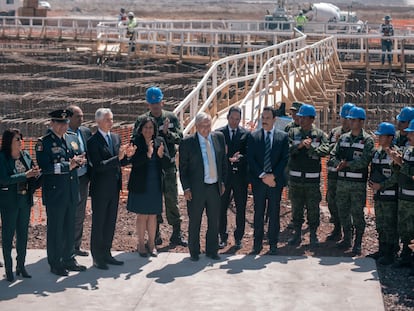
{"x":406,"y":114}
{"x":154,"y":95}
{"x":356,"y":113}
{"x":345,"y":109}
{"x":385,"y":128}
{"x":306,"y":111}
{"x":410,"y":127}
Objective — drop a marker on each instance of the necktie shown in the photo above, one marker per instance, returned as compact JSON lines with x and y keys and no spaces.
{"x":268,"y":151}
{"x":81,"y":145}
{"x":109,"y":141}
{"x":211,"y":163}
{"x":233,"y":133}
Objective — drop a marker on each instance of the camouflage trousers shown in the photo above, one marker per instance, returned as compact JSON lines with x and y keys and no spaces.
{"x":305,"y":195}
{"x":406,"y":220}
{"x":171,"y":197}
{"x":350,"y":200}
{"x":386,"y":220}
{"x":331,"y":199}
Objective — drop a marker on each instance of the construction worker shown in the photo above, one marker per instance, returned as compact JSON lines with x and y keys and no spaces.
{"x":122,"y":17}
{"x":333,"y":175}
{"x":384,"y":183}
{"x":387,"y":30}
{"x":131,"y":23}
{"x":351,"y":157}
{"x":406,"y":197}
{"x":307,"y":145}
{"x":403,"y":119}
{"x":301,"y":20}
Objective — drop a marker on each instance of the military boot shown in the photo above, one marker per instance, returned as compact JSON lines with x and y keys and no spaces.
{"x":388,"y":255}
{"x":356,"y":250}
{"x":346,"y":241}
{"x":335,"y":234}
{"x":176,"y":236}
{"x":313,"y":238}
{"x":297,"y":237}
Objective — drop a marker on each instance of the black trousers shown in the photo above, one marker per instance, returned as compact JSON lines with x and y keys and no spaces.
{"x":80,"y":209}
{"x":15,"y":219}
{"x":60,"y":233}
{"x":263,"y":196}
{"x":104,"y":214}
{"x":209,"y":200}
{"x":238,"y":187}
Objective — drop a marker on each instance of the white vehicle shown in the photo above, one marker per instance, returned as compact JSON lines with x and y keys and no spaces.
{"x":45,"y":5}
{"x":9,"y":7}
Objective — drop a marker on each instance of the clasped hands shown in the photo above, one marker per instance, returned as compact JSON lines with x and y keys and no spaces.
{"x":269,"y":179}
{"x":307,"y":142}
{"x":33,"y":172}
{"x":77,"y":161}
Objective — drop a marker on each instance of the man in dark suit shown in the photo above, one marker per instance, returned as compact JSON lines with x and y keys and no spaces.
{"x":236,"y":184}
{"x":203,"y":169}
{"x":106,"y":156}
{"x":83,"y":133}
{"x":267,"y":159}
{"x":59,"y":156}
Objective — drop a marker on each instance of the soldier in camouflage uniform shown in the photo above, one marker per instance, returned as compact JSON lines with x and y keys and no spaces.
{"x":333,"y":175}
{"x":168,"y":128}
{"x":384,"y":183}
{"x":293,"y":110}
{"x":307,"y":145}
{"x":406,"y":197}
{"x":351,"y":157}
{"x":403,"y":119}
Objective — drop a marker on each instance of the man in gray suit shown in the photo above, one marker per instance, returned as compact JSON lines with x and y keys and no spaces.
{"x":203,"y":169}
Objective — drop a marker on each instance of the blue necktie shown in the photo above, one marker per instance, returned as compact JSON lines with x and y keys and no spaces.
{"x":110,"y":145}
{"x":268,"y":151}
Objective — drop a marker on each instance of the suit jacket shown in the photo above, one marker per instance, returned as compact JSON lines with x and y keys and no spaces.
{"x":86,"y":134}
{"x":138,"y":178}
{"x":105,"y":167}
{"x":10,"y":178}
{"x":237,"y":144}
{"x":191,"y":162}
{"x":279,"y":156}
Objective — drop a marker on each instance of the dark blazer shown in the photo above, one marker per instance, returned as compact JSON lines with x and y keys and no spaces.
{"x":238,"y":143}
{"x":86,"y":134}
{"x":138,"y":177}
{"x":279,"y":156}
{"x":106,"y":168}
{"x":191,"y":162}
{"x":9,"y":179}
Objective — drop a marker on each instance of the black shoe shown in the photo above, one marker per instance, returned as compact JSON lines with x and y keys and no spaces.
{"x":79,"y":252}
{"x":272,"y":251}
{"x":74,"y":266}
{"x":222,"y":244}
{"x":194,"y":257}
{"x":343,"y":244}
{"x":112,"y":261}
{"x":255,"y":251}
{"x":59,"y":271}
{"x":9,"y":275}
{"x":158,"y":240}
{"x":177,"y":239}
{"x":213,"y":256}
{"x":144,"y":255}
{"x":377,"y":255}
{"x":238,"y":245}
{"x":100,"y":265}
{"x":22,"y":271}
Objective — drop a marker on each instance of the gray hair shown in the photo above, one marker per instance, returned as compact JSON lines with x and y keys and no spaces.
{"x":101,"y":112}
{"x":202,"y":116}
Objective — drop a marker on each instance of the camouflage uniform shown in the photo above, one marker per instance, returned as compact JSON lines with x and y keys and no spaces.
{"x":291,"y":125}
{"x":406,"y":203}
{"x":304,"y":175}
{"x":170,"y":191}
{"x":332,"y":178}
{"x":401,"y":140}
{"x":351,"y":186}
{"x":384,"y":172}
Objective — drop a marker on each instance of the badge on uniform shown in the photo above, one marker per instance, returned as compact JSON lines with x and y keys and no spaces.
{"x":74,"y":145}
{"x":39,"y":146}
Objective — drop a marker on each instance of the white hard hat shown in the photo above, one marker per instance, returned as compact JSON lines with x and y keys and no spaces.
{"x":131,"y":14}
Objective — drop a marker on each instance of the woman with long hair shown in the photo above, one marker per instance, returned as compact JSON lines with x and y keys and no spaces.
{"x":145,"y":183}
{"x":19,"y":178}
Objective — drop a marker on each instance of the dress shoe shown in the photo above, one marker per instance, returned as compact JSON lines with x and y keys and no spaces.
{"x":59,"y":271}
{"x":73,"y":266}
{"x":238,"y":244}
{"x":158,"y":240}
{"x":222,"y":244}
{"x":213,"y":256}
{"x":255,"y":251}
{"x":272,"y":251}
{"x":194,"y":257}
{"x":100,"y":265}
{"x":79,"y":252}
{"x":21,"y":270}
{"x":112,"y":261}
{"x":144,"y":255}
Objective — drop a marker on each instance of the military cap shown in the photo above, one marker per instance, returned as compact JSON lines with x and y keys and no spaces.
{"x":61,"y":115}
{"x":296,"y":106}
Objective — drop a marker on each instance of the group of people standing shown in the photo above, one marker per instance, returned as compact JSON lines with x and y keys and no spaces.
{"x":214,"y":167}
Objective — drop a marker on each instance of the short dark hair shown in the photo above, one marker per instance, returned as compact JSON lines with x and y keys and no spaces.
{"x":234,"y":109}
{"x":7,"y":140}
{"x":143,"y":122}
{"x":268,"y":108}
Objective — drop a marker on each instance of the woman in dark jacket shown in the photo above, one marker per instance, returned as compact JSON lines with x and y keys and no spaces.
{"x":18,"y":180}
{"x":145,"y":182}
